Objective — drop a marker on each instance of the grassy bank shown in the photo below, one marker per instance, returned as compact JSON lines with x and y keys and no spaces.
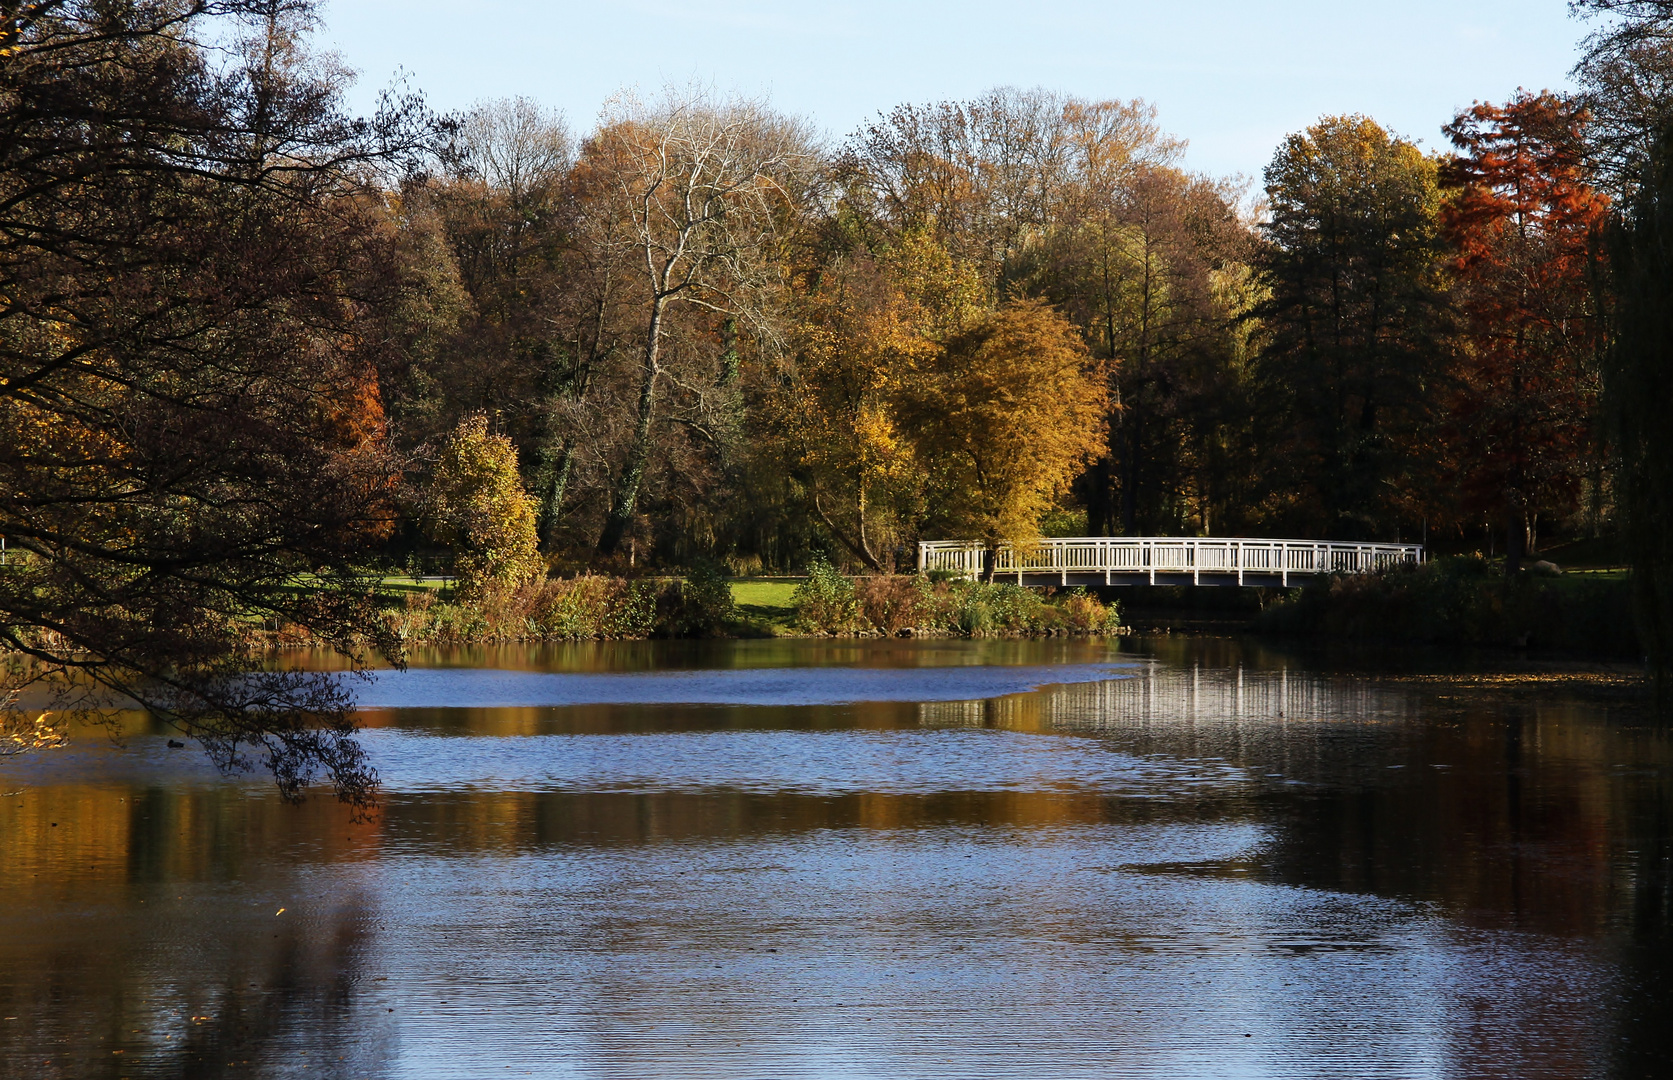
{"x":1465,"y":602}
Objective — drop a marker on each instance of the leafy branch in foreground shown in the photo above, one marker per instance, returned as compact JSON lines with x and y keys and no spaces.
{"x":192,"y":442}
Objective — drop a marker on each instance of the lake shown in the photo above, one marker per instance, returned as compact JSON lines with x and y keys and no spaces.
{"x":1149,"y":858}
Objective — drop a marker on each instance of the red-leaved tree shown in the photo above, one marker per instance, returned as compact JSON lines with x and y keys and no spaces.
{"x":1522,"y":221}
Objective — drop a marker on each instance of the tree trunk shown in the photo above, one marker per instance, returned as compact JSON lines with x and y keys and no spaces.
{"x":1516,"y":541}
{"x":1130,"y":475}
{"x":625,"y":499}
{"x":552,"y":505}
{"x":860,"y":548}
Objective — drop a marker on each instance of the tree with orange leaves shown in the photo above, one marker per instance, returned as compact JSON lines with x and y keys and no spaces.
{"x":1522,"y":220}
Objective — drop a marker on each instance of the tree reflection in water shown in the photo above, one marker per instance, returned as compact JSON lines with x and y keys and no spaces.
{"x":1366,"y":875}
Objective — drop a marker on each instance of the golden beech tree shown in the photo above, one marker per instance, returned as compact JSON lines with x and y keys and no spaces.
{"x":478,"y":507}
{"x":1004,"y":416}
{"x":857,"y":347}
{"x":918,"y":405}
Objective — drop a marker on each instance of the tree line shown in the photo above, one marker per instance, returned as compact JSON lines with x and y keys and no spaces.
{"x":252,"y":347}
{"x":708,"y":335}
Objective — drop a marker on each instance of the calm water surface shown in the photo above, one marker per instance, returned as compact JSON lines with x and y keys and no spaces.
{"x":1175,"y":859}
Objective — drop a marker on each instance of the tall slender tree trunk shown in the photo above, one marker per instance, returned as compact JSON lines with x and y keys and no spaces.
{"x":625,"y":499}
{"x":552,"y":504}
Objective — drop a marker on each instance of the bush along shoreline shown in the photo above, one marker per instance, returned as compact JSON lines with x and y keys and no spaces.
{"x":1465,"y":601}
{"x":830,"y":603}
{"x":589,"y":607}
{"x":827,"y":603}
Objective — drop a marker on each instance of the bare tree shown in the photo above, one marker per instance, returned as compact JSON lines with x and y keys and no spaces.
{"x":1626,"y":79}
{"x":695,"y":195}
{"x":515,"y":146}
{"x":989,"y":178}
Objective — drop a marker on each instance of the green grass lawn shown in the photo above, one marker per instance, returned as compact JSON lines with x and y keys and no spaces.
{"x":765,"y":603}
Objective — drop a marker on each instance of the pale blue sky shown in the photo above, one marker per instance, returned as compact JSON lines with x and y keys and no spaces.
{"x":1231,"y":77}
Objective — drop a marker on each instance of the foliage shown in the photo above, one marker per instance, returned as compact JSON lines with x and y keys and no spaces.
{"x":1083,"y":204}
{"x":1355,"y":325}
{"x":1523,"y":221}
{"x":476,"y":505}
{"x":1626,"y":76}
{"x":583,"y":608}
{"x":1085,"y":613}
{"x":858,"y":339}
{"x":23,"y":730}
{"x":1638,"y":385}
{"x":825,"y":603}
{"x":685,"y":197}
{"x":192,"y":349}
{"x":889,"y":604}
{"x":705,"y":607}
{"x":1006,"y":416}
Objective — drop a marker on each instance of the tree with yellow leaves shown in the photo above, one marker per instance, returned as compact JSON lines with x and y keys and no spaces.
{"x":918,"y":405}
{"x":864,"y":336}
{"x":477,"y":506}
{"x":1004,"y":417}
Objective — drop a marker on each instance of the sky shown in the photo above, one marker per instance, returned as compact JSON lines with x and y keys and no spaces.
{"x":1231,"y":76}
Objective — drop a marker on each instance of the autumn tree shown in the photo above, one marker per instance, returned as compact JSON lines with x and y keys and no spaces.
{"x":1004,"y":416}
{"x":986,"y":178}
{"x":862,"y":338}
{"x":475,"y":504}
{"x":493,"y":233}
{"x":687,"y":194}
{"x":1626,"y":79}
{"x":1355,"y":324}
{"x":1083,"y":203}
{"x":1152,"y":265}
{"x":1523,"y":221}
{"x":193,"y":276}
{"x":855,"y":347}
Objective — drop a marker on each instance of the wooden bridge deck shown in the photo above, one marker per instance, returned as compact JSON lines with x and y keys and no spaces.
{"x":1164,"y":560}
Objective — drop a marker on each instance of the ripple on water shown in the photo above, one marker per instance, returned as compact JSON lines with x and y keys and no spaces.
{"x":798,"y":762}
{"x":483,"y":688}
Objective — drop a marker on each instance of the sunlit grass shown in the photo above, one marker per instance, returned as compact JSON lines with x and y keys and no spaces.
{"x":766,"y":603}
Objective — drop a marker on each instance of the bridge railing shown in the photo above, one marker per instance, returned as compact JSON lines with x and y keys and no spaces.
{"x":1125,"y":557}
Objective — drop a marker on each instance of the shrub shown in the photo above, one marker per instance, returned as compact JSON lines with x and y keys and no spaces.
{"x":825,"y":602}
{"x":582,"y":608}
{"x":891,"y":603}
{"x":1085,"y":613}
{"x":477,"y":506}
{"x":700,"y":605}
{"x":588,"y":606}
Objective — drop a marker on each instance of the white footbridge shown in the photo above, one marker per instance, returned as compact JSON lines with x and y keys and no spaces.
{"x":1163,"y":560}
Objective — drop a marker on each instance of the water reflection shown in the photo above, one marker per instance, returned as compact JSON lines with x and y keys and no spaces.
{"x":1223,"y":864}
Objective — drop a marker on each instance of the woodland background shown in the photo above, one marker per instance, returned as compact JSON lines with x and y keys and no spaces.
{"x":254,"y":351}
